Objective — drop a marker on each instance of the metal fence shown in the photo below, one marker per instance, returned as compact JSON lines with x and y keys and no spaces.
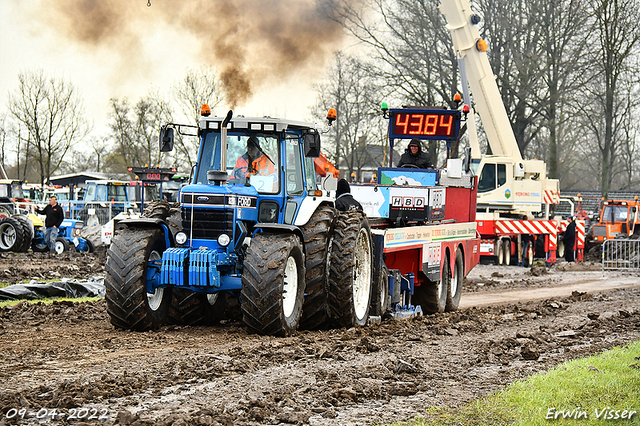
{"x":621,"y":255}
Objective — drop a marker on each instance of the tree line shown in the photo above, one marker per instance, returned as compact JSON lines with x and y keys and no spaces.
{"x":44,"y":131}
{"x":566,"y":70}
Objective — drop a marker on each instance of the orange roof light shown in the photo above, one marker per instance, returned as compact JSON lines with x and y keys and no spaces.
{"x":481,"y":45}
{"x":457,"y":97}
{"x":205,"y":111}
{"x":332,"y":115}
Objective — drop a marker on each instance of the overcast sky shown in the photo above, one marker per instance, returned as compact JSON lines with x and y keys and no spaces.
{"x":35,"y":34}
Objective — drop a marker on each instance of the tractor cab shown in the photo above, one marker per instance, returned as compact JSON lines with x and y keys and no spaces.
{"x":250,"y":172}
{"x":617,"y":216}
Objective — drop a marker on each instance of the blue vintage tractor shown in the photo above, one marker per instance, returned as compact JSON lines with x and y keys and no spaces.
{"x":250,"y":230}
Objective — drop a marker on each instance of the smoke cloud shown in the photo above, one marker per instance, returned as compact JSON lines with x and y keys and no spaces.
{"x":251,"y":42}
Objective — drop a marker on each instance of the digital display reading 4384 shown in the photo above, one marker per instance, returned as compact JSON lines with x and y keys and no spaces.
{"x":424,"y":124}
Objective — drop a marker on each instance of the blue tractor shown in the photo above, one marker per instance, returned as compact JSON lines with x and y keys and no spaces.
{"x":252,"y":233}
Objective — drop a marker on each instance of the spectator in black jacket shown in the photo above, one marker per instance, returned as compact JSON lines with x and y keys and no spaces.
{"x":413,"y":155}
{"x":569,"y":239}
{"x":344,"y":199}
{"x":55,"y":216}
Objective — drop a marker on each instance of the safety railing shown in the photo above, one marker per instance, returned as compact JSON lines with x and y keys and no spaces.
{"x":621,"y":255}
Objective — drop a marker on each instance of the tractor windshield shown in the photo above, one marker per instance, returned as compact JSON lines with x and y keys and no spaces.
{"x":252,"y":156}
{"x":613,"y":214}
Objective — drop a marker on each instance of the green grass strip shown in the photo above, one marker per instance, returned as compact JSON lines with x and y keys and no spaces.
{"x":588,"y":391}
{"x":49,"y":300}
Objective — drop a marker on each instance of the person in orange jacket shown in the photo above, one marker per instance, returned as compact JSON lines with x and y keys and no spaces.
{"x":253,"y":162}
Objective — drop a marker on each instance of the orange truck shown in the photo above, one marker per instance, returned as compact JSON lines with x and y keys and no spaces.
{"x":616,"y":217}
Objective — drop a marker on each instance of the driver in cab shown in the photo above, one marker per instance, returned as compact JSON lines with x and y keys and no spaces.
{"x":253,"y":163}
{"x":414,"y":157}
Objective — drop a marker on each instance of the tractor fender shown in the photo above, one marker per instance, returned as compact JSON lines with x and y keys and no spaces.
{"x":146,"y":223}
{"x":278,"y":228}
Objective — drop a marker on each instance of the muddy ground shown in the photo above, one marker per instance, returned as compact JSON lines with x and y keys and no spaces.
{"x":68,"y":357}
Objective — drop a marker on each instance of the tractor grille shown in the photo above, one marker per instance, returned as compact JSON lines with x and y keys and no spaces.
{"x":208,"y":224}
{"x":599,"y":231}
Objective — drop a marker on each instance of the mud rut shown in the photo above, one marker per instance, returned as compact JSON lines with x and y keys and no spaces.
{"x":67,"y":356}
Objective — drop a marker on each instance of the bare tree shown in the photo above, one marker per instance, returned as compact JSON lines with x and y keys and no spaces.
{"x":134,"y":131}
{"x":198,"y":87}
{"x":564,"y":34}
{"x":349,"y":88}
{"x":52,"y":115}
{"x":617,"y":29}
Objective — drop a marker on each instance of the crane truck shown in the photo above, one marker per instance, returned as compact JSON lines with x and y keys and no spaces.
{"x":515,"y":196}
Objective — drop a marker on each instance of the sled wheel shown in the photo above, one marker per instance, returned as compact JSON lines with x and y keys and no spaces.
{"x":350,"y":270}
{"x":61,"y":245}
{"x":317,"y":234}
{"x":11,"y":235}
{"x":432,"y":296}
{"x":27,"y":229}
{"x":380,"y":302}
{"x":132,"y":261}
{"x":507,"y":251}
{"x":454,"y":284}
{"x":191,"y":308}
{"x":273,"y":284}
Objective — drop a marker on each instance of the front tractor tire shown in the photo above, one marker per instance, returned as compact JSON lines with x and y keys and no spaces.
{"x":273,"y":284}
{"x":350,"y":270}
{"x":128,"y":270}
{"x":317,"y":234}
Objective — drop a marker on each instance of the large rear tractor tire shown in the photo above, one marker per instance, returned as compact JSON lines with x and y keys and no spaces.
{"x":11,"y":235}
{"x":350,"y":270}
{"x":128,"y":270}
{"x":317,"y":233}
{"x":27,"y":228}
{"x":454,"y":283}
{"x":273,"y":284}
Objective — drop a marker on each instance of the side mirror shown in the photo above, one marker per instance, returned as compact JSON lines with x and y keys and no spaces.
{"x":166,"y":139}
{"x":311,"y":144}
{"x":467,"y":159}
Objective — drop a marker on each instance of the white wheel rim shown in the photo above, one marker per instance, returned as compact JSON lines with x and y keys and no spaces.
{"x":383,"y":290}
{"x":507,"y":252}
{"x":362,"y":275}
{"x":454,"y":280}
{"x":155,"y":299}
{"x":8,"y":236}
{"x":290,"y":287}
{"x":58,"y":247}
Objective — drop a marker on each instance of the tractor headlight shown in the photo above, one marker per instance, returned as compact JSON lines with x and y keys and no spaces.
{"x":76,"y":232}
{"x":224,"y":240}
{"x":181,"y":238}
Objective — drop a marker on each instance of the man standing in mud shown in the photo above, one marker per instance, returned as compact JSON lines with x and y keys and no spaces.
{"x":55,"y":216}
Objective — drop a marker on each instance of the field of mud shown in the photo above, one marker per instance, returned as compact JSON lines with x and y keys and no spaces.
{"x":67,"y":363}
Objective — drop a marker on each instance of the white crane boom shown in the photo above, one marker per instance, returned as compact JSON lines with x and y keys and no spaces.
{"x":481,"y":79}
